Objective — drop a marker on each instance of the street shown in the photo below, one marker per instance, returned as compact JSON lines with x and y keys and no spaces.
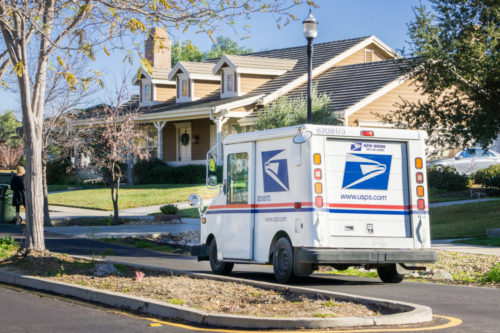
{"x":476,"y":307}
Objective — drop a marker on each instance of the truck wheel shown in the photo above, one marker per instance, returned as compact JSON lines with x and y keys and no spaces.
{"x":389,"y":274}
{"x":218,"y":267}
{"x":283,"y":260}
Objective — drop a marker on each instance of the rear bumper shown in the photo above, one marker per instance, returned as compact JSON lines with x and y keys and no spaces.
{"x":365,"y":256}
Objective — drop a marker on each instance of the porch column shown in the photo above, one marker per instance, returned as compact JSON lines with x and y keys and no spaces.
{"x":219,"y":123}
{"x":159,"y":127}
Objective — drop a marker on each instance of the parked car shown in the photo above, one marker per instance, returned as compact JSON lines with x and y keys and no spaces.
{"x":469,"y":160}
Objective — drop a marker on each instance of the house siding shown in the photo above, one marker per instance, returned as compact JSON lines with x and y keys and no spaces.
{"x":249,"y":82}
{"x":386,"y":103}
{"x":165,"y":93}
{"x":359,"y":56}
{"x":200,"y":127}
{"x":205,"y":88}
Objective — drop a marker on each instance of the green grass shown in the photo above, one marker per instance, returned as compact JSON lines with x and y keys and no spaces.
{"x":8,"y":247}
{"x":493,"y":275}
{"x":139,"y":244}
{"x":467,"y":220}
{"x":480,"y":241}
{"x":355,"y":272}
{"x":53,"y":188}
{"x":130,"y":196}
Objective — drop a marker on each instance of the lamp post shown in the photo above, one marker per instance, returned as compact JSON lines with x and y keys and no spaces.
{"x":310,"y":32}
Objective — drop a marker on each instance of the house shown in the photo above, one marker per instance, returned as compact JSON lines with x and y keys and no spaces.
{"x":191,"y":107}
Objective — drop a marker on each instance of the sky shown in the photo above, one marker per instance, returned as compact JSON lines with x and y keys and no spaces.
{"x":338,"y":19}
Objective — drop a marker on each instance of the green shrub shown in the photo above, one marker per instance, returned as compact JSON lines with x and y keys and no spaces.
{"x":169,"y":209}
{"x":493,"y":275}
{"x":489,"y":177}
{"x":60,"y":172}
{"x":156,"y":171}
{"x":447,"y":178}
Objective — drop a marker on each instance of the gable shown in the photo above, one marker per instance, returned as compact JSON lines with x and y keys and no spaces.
{"x":363,"y":55}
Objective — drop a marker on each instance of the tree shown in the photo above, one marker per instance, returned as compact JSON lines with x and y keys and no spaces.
{"x":185,"y":52}
{"x":108,"y":143}
{"x":224,"y":45}
{"x":456,"y":64}
{"x":286,"y":111}
{"x":188,"y":52}
{"x":9,"y":129}
{"x":35,"y":33}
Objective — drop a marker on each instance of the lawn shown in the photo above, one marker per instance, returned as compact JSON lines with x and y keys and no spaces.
{"x":130,"y":196}
{"x":467,"y":220}
{"x":436,"y":195}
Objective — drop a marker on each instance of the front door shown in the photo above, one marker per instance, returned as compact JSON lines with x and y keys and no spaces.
{"x":238,"y":220}
{"x":184,"y":142}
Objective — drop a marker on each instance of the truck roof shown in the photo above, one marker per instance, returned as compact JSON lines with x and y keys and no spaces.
{"x":327,"y":130}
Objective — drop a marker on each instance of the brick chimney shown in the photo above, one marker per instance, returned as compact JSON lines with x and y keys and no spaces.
{"x":157,"y":49}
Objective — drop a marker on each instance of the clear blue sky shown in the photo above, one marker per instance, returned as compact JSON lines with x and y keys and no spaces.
{"x":338,"y":19}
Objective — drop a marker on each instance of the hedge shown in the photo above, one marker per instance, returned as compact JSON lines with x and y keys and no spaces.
{"x":156,"y":171}
{"x":447,"y":178}
{"x":489,"y":178}
{"x":60,"y":172}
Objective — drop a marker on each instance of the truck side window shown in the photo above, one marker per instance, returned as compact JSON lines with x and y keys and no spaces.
{"x":237,"y":178}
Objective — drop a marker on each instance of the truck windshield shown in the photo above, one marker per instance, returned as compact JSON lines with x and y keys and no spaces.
{"x":237,"y":178}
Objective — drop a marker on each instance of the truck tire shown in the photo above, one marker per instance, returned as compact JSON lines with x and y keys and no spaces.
{"x":218,"y":267}
{"x":389,"y":274}
{"x":283,"y":260}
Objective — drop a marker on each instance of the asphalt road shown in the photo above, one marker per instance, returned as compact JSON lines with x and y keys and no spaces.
{"x":478,"y":308}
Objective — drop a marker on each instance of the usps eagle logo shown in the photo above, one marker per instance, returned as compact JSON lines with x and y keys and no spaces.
{"x":275,"y":171}
{"x":356,"y":146}
{"x":366,"y":171}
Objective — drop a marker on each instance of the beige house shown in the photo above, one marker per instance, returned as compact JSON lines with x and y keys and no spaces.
{"x":191,"y":107}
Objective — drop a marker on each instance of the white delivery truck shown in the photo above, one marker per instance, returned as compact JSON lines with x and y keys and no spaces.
{"x":301,"y":196}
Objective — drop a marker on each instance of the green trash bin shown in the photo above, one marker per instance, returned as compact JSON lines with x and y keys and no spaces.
{"x":7,"y":211}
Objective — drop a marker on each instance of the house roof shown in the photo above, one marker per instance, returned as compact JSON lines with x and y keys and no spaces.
{"x":255,"y":64}
{"x":347,"y":85}
{"x":194,"y":70}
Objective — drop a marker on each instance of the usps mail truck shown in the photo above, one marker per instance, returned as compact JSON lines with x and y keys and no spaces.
{"x":309,"y":195}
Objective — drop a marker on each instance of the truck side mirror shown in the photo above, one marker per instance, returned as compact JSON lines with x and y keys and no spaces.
{"x":196,"y":201}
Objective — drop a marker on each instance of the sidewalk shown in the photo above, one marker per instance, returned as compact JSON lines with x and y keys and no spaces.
{"x":448,"y":245}
{"x":459,"y":202}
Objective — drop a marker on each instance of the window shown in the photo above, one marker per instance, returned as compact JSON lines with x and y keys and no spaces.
{"x":147,"y":93}
{"x":184,"y":85}
{"x":230,"y":82}
{"x":237,"y":178}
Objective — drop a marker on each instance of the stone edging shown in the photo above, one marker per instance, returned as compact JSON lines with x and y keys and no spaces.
{"x":414,"y":313}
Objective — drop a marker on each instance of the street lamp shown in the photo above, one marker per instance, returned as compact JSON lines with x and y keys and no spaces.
{"x":310,"y":32}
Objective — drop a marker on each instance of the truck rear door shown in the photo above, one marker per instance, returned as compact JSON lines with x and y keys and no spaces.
{"x":367,"y":188}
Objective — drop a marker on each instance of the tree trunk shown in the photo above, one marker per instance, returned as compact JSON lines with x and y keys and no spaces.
{"x":46,"y":213}
{"x":114,"y":198}
{"x":34,"y":187}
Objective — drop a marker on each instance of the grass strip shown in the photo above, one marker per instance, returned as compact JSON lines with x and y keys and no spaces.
{"x":486,"y":241}
{"x":464,"y":221}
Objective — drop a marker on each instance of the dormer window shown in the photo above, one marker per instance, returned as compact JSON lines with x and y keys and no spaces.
{"x":230,"y":82}
{"x":184,"y":90}
{"x":147,"y":92}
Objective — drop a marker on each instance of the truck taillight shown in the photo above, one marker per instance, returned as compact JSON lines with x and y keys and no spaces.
{"x":203,"y":220}
{"x":420,"y":177}
{"x":297,"y":205}
{"x":317,"y":158}
{"x":420,"y":191}
{"x":367,"y":133}
{"x":317,"y":174}
{"x":318,"y":188}
{"x":319,"y":201}
{"x":419,"y":163}
{"x":420,"y":204}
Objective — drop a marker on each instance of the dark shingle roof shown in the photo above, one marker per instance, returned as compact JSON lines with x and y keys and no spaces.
{"x":347,"y":85}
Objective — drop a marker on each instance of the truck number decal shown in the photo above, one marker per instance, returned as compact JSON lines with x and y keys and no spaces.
{"x":366,"y":171}
{"x":275,"y":171}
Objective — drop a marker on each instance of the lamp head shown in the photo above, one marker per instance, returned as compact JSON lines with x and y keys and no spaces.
{"x":310,"y":25}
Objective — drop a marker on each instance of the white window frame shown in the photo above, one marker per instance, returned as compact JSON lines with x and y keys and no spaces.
{"x":190,"y":89}
{"x":226,"y":72}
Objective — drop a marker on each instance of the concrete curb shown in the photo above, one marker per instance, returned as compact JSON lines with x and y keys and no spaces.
{"x":413,"y":313}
